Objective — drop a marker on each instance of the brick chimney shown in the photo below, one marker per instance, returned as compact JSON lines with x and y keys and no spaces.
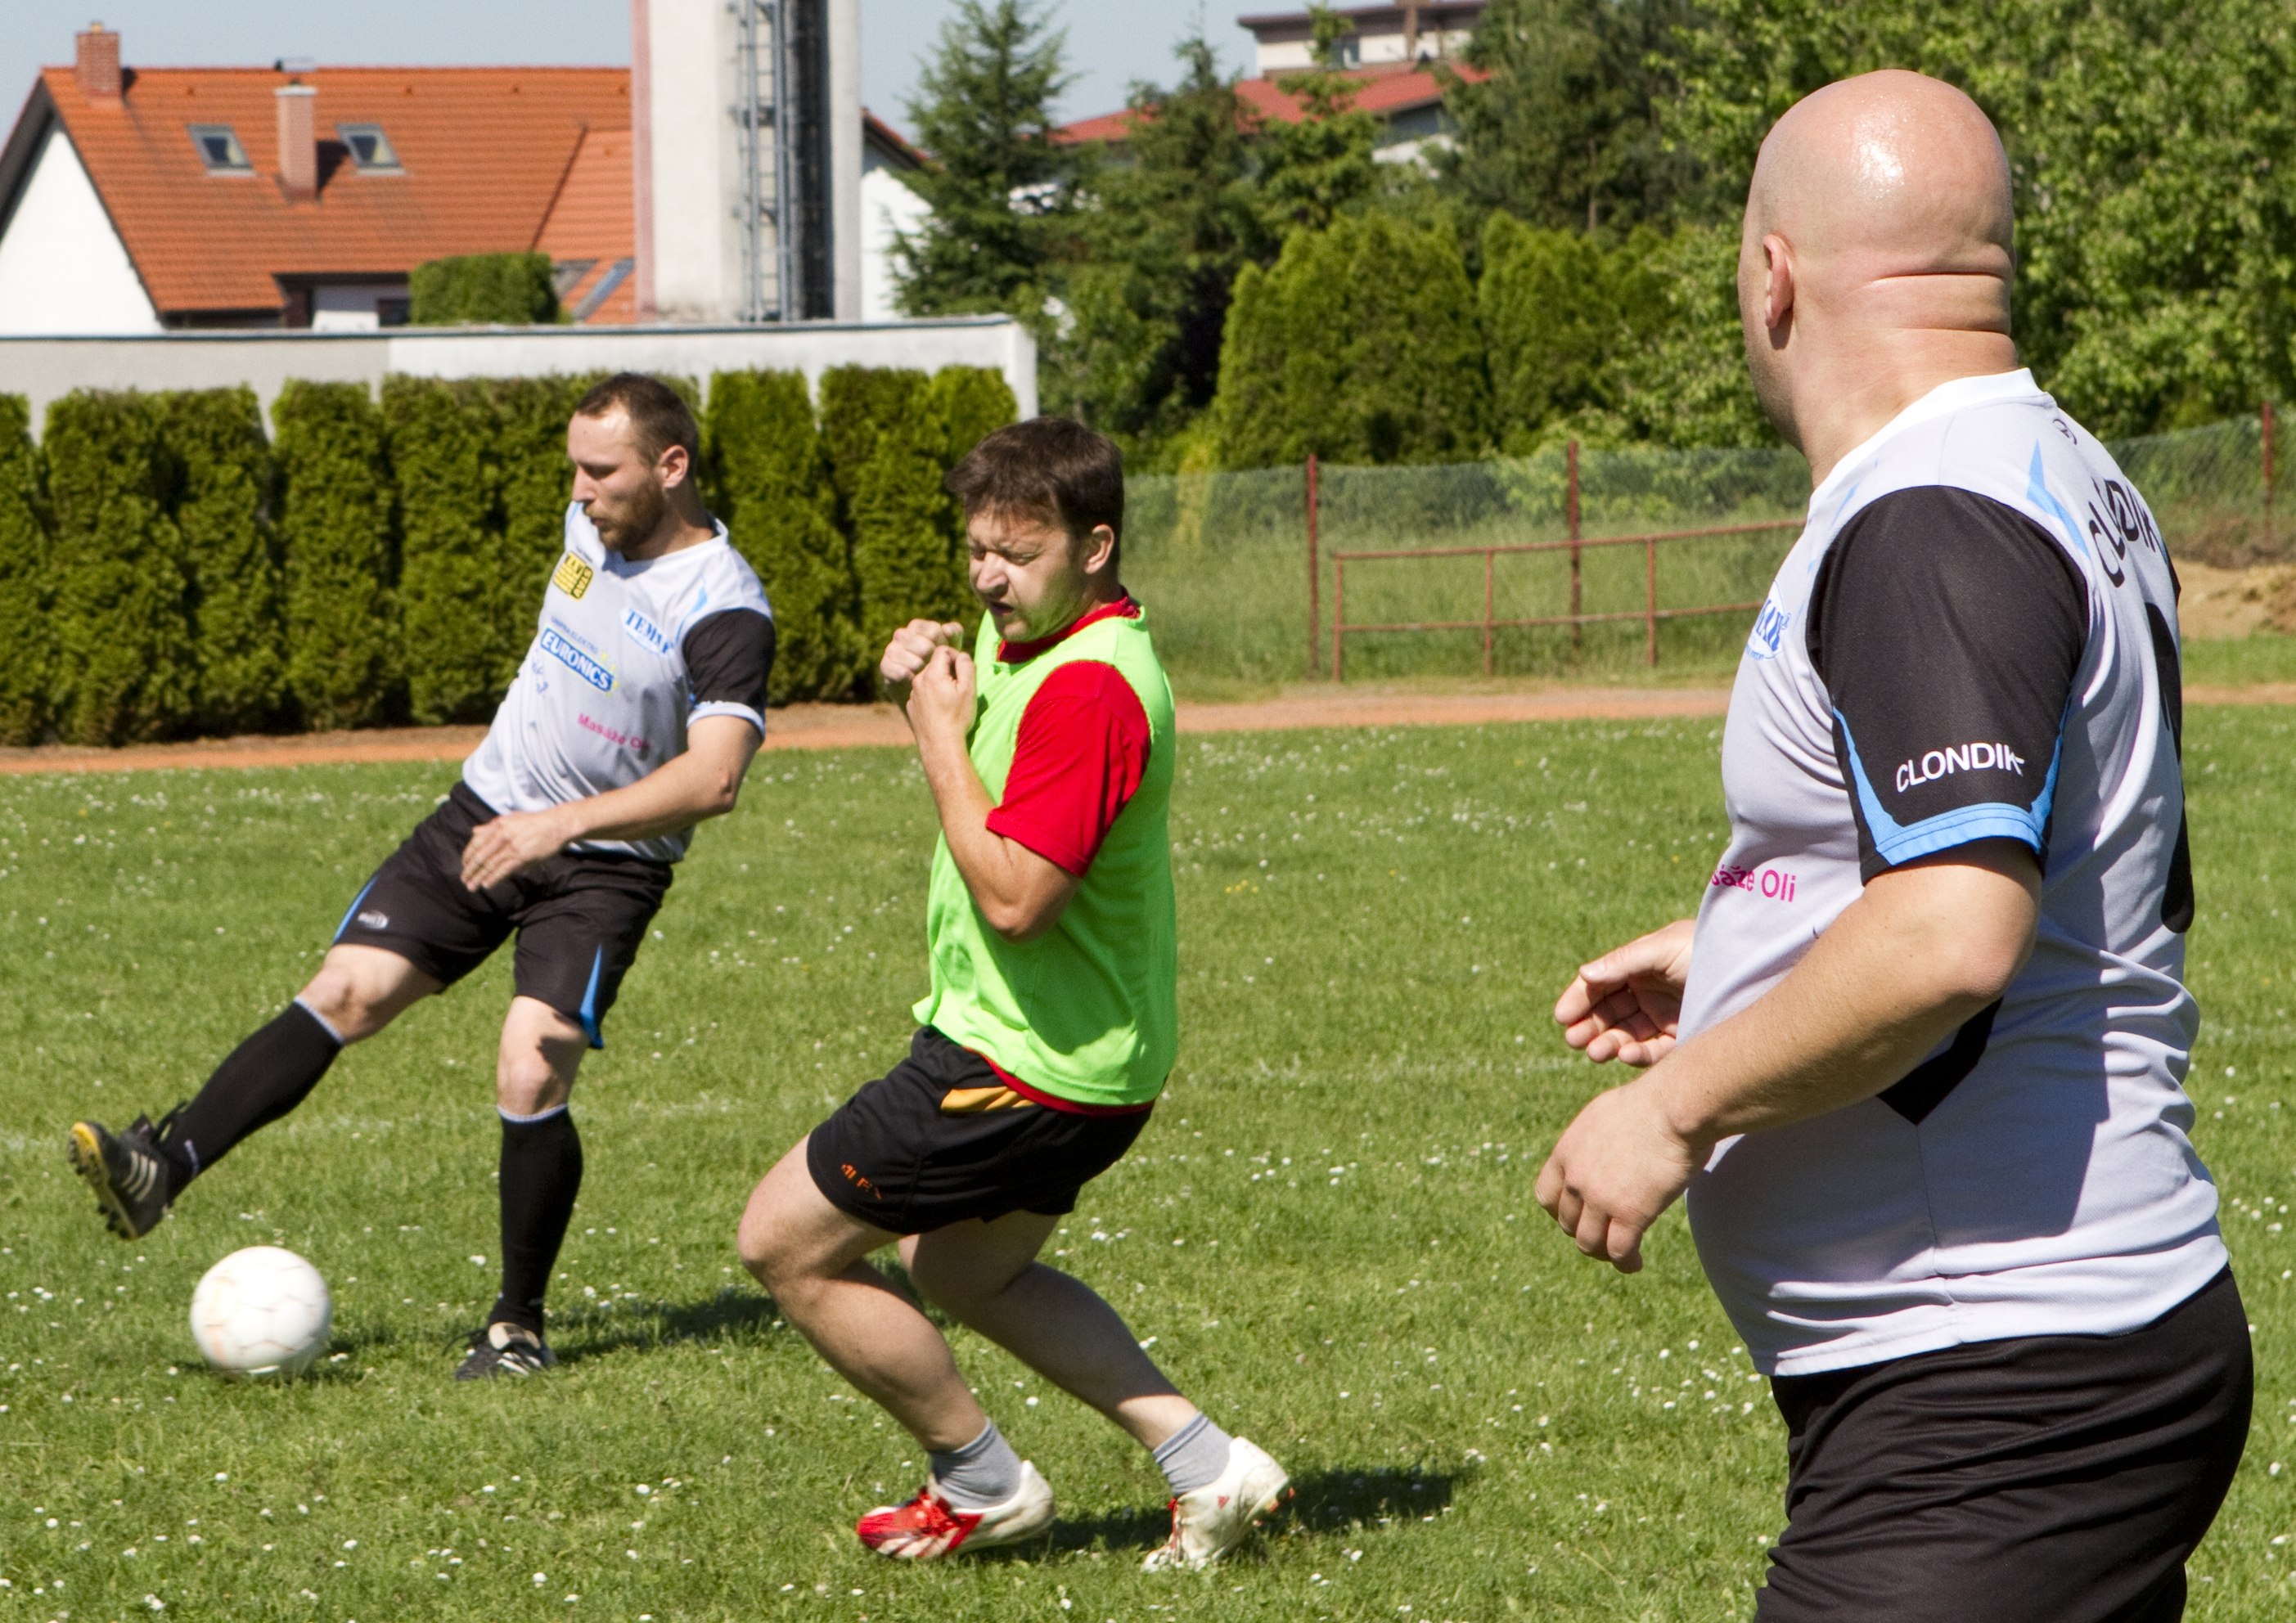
{"x":96,"y":62}
{"x":298,"y":143}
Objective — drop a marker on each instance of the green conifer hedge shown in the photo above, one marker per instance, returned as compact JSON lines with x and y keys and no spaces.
{"x":887,"y":448}
{"x":1360,"y":346}
{"x":127,"y":669}
{"x":443,"y":440}
{"x":468,"y":289}
{"x":164,"y":570}
{"x":25,"y":630}
{"x":768,"y":478}
{"x":335,"y":531}
{"x":222,"y":505}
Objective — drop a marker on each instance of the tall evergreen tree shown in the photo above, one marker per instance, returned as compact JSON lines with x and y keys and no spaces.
{"x":1313,"y":171}
{"x":1166,"y":236}
{"x":999,"y":185}
{"x":1564,"y":131}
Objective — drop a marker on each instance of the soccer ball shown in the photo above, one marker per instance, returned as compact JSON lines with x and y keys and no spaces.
{"x":261,"y":1311}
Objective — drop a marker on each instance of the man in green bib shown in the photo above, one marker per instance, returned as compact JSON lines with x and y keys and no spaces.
{"x":1050,"y":1026}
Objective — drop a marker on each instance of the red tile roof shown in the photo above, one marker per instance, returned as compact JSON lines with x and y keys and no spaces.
{"x":594,"y":219}
{"x":1383,"y":90}
{"x":485,"y":154}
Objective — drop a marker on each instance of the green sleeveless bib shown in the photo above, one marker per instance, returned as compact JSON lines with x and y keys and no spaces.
{"x":1089,"y":1010}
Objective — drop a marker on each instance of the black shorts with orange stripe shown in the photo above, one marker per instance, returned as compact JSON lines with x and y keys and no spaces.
{"x":942,"y":1138}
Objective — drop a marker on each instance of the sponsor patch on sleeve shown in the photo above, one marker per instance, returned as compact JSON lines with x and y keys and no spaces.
{"x":572,"y":576}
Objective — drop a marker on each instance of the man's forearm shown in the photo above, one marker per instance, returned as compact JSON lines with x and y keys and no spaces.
{"x":1917,"y":954}
{"x":687,"y":790}
{"x":962,"y":801}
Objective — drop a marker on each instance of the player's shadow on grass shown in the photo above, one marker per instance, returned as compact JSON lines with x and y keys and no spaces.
{"x":732,"y":1316}
{"x":1322,"y":1502}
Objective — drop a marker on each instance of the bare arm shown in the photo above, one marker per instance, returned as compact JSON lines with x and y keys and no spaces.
{"x":1925,"y":946}
{"x":703,"y":782}
{"x":1020,"y":894}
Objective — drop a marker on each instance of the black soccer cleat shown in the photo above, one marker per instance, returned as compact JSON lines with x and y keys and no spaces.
{"x":129,"y":1174}
{"x":504,"y":1348}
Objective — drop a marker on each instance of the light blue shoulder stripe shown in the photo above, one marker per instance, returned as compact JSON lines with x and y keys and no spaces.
{"x":1988,"y":820}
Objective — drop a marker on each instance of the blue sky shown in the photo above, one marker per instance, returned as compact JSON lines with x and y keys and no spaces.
{"x":1110,"y":45}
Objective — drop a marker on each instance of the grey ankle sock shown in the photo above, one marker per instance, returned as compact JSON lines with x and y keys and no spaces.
{"x":1194,"y":1456}
{"x":985,"y":1471}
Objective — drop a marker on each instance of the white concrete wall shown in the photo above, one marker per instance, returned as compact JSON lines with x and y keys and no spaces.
{"x":63,"y":267}
{"x":887,"y":206}
{"x":43,"y":368}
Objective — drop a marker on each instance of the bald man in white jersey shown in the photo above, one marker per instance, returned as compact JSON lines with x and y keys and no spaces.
{"x":1918,"y":1061}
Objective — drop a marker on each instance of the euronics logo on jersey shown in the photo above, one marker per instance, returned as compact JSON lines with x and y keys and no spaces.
{"x":581,"y":664}
{"x":1961,"y":757}
{"x":572,"y":576}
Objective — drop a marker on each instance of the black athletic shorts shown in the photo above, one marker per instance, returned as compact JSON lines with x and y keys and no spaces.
{"x":2044,"y":1480}
{"x":579,"y":917}
{"x":940,"y":1139}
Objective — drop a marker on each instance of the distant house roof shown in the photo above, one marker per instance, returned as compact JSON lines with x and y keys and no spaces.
{"x":486,"y":158}
{"x":897,"y":149}
{"x":1387,"y":91}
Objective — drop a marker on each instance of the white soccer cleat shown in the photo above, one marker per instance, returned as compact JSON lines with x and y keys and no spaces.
{"x":1214,"y":1519}
{"x":928,"y":1526}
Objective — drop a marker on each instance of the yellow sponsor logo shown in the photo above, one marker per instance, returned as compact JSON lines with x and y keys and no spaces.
{"x":573,"y":576}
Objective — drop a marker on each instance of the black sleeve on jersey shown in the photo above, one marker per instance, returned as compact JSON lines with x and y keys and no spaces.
{"x":728,"y":656}
{"x":1947,"y":628}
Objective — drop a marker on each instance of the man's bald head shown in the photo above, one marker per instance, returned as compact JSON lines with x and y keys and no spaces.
{"x":1901,"y":172}
{"x":1878,"y":250}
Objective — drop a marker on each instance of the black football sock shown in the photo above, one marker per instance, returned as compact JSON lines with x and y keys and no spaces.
{"x":541,"y":1174}
{"x":264,"y":1078}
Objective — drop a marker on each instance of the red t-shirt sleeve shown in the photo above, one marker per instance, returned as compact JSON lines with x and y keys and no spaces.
{"x":1077,"y":761}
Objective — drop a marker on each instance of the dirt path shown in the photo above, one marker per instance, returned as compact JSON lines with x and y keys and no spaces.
{"x":837,"y":726}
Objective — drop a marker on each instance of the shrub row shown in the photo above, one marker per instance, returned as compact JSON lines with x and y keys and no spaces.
{"x":165,"y":571}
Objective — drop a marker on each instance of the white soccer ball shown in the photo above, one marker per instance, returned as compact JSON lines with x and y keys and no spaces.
{"x":261,"y":1311}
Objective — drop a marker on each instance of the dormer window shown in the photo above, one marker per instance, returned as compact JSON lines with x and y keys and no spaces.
{"x":220,"y":150}
{"x":370,"y":148}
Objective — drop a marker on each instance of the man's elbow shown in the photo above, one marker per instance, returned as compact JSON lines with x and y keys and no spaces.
{"x":1021,"y":921}
{"x":1975,"y":967}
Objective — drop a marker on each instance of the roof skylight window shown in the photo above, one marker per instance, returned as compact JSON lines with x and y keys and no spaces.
{"x":220,"y":150}
{"x":370,"y":148}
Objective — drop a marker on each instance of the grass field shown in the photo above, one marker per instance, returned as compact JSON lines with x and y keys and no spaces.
{"x":1328,"y":1228}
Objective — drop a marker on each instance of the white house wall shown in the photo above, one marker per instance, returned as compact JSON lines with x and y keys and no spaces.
{"x":887,"y":206}
{"x":63,"y":268}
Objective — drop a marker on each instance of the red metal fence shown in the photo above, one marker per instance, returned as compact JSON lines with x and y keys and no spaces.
{"x":1490,"y":625}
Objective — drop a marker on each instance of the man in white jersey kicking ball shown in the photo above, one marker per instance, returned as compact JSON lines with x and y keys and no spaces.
{"x":633,"y":717}
{"x":1918,"y":1062}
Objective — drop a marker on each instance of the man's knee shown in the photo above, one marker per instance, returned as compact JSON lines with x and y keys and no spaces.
{"x":789,"y":1238}
{"x":541,"y":1050}
{"x":359,"y":990}
{"x":956,"y":1279}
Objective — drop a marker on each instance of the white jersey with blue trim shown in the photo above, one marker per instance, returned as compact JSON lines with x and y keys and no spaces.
{"x":1975,"y":638}
{"x":610,"y":682}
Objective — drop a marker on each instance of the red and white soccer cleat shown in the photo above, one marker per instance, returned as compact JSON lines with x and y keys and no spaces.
{"x":1214,"y":1519}
{"x":928,"y":1526}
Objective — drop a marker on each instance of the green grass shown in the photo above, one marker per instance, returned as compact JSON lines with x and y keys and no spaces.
{"x":2235,"y":661}
{"x":1328,"y":1228}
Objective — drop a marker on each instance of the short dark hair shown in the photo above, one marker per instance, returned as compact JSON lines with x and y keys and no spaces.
{"x":1048,"y":468}
{"x":658,"y":418}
